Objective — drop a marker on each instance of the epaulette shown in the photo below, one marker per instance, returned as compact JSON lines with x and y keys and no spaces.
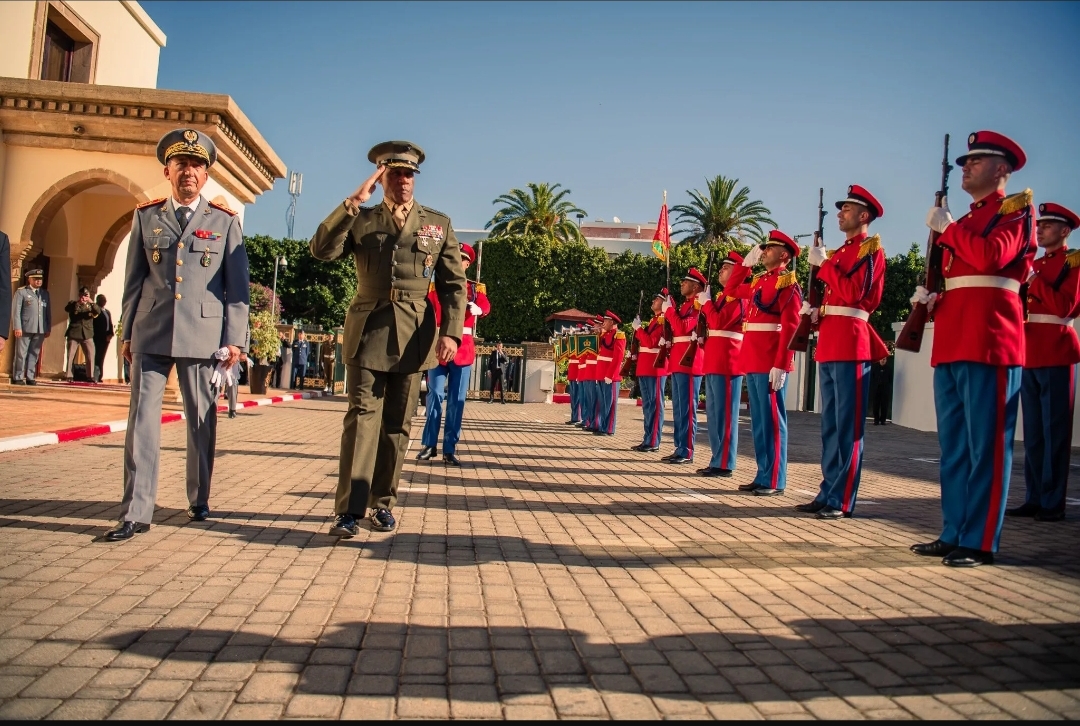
{"x":870,"y":246}
{"x":697,"y":305}
{"x":435,"y":211}
{"x":1073,"y":259}
{"x":481,"y":287}
{"x":785,"y":280}
{"x":729,"y":298}
{"x":223,"y":208}
{"x":151,"y":203}
{"x":758,"y":276}
{"x":620,"y":335}
{"x":830,"y":253}
{"x":1016,"y":202}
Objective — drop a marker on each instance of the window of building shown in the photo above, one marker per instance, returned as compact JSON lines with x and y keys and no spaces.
{"x":56,"y":55}
{"x":66,"y":44}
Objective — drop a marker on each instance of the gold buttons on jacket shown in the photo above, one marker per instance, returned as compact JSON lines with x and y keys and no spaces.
{"x":179,"y":279}
{"x":178,"y":296}
{"x":180,"y":245}
{"x":179,"y":262}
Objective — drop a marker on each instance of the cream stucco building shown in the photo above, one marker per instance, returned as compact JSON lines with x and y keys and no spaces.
{"x":80,"y":117}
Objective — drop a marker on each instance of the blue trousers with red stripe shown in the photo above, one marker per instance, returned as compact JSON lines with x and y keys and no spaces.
{"x":1048,"y":396}
{"x":652,"y":405}
{"x":722,"y":396}
{"x":976,"y":419}
{"x":575,"y":405}
{"x":448,"y":382}
{"x":587,"y":406}
{"x":768,"y":425}
{"x":845,"y":392}
{"x":684,"y":401}
{"x":598,"y":404}
{"x":609,"y":402}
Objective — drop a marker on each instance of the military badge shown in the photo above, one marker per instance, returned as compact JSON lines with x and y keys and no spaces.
{"x":433,"y":231}
{"x":156,"y":256}
{"x":157,"y":231}
{"x":205,"y":261}
{"x":428,"y":262}
{"x":207,"y":234}
{"x":191,"y":136}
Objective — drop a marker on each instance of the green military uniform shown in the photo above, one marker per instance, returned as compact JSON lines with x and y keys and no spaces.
{"x":390,"y":334}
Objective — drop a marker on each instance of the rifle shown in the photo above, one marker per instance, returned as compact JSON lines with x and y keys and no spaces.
{"x":665,"y":349}
{"x":635,"y":345}
{"x":816,"y":293}
{"x":910,"y":338}
{"x":701,"y":327}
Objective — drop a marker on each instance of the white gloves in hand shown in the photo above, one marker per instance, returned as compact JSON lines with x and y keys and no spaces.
{"x":814,"y":313}
{"x":693,"y":335}
{"x":475,"y":309}
{"x":636,"y":324}
{"x":661,"y":342}
{"x":702,"y":298}
{"x":805,"y":309}
{"x":777,"y":376}
{"x":817,"y":256}
{"x":222,"y":375}
{"x":753,"y":256}
{"x":938,"y":218}
{"x":668,"y":304}
{"x":924,"y":296}
{"x":607,"y":381}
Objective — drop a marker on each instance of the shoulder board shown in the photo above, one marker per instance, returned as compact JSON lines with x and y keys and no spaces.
{"x":435,"y":211}
{"x":222,"y":207}
{"x":481,"y":288}
{"x":870,"y":246}
{"x":1016,"y":202}
{"x":1073,"y":259}
{"x":620,"y":335}
{"x":785,"y":280}
{"x":757,"y":277}
{"x":659,"y":318}
{"x":151,"y":203}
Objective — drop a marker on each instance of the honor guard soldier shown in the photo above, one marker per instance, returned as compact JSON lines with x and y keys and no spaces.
{"x":1048,"y":383}
{"x":854,"y":280}
{"x":609,"y":364}
{"x":685,"y":379}
{"x":450,"y":381}
{"x":185,"y":301}
{"x":390,"y":331}
{"x":724,"y":319}
{"x":977,"y":361}
{"x":590,"y":404}
{"x":31,"y":319}
{"x":772,"y":317}
{"x":652,"y":378}
{"x":572,"y":383}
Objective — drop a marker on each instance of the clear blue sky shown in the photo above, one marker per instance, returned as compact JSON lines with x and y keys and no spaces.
{"x":619,"y":101}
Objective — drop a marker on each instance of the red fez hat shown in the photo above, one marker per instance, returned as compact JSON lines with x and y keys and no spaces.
{"x":612,"y":316}
{"x":694,"y":276}
{"x":776,"y":237}
{"x":468,"y":252}
{"x":859,"y":195}
{"x":732,"y":258}
{"x":990,"y":143}
{"x":1058,"y":213}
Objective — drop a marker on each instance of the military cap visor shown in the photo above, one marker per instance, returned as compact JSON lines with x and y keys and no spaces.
{"x":1050,"y":212}
{"x":859,"y":195}
{"x":35,"y":273}
{"x":186,"y":142}
{"x":776,"y":237}
{"x":397,"y":155}
{"x":991,"y":143}
{"x":694,"y":275}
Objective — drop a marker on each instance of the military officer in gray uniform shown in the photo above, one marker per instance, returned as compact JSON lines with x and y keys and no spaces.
{"x":185,"y":298}
{"x":398,"y":247}
{"x":32,"y":319}
{"x":5,"y":289}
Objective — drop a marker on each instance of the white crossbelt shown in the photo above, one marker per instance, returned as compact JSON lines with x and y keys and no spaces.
{"x":725,"y":334}
{"x":466,"y":331}
{"x":1050,"y":320}
{"x":681,"y":339}
{"x":761,"y":327}
{"x":604,"y":358}
{"x":846,"y":312}
{"x":992,"y":281}
{"x":648,"y":350}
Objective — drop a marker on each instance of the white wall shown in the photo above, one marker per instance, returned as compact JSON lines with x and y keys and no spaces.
{"x":16,"y":36}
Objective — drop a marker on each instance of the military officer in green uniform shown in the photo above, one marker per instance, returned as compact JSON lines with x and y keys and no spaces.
{"x":398,"y":248}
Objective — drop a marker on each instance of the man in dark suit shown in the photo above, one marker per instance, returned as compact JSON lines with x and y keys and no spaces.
{"x":103,"y":334}
{"x":5,"y":289}
{"x":497,"y":364}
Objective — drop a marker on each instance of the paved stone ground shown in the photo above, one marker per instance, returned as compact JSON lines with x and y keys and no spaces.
{"x":557,"y":575}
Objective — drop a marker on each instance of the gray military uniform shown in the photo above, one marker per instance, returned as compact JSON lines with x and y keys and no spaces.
{"x":185,"y":296}
{"x":32,"y":314}
{"x":390,"y":336}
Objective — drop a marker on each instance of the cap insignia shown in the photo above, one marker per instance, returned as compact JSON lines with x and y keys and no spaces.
{"x":972,"y":138}
{"x":191,"y":136}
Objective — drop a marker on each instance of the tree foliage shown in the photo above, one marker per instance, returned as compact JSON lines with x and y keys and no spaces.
{"x":721,"y":216}
{"x":901,"y":276}
{"x":541,"y":212}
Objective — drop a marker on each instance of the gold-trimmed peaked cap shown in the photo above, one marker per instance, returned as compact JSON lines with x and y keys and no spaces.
{"x":397,"y":155}
{"x":186,"y":142}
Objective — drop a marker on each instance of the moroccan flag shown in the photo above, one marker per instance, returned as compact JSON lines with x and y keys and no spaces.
{"x":661,"y":240}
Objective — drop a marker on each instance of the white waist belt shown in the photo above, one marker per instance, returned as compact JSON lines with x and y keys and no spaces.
{"x":725,"y":334}
{"x":999,"y":283}
{"x":590,"y":362}
{"x":762,"y":327}
{"x":846,"y":312}
{"x":648,"y":350}
{"x":681,"y":339}
{"x":466,"y":331}
{"x":1050,"y":320}
{"x":604,"y":359}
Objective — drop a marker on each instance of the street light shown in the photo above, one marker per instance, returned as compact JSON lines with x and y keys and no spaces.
{"x":579,"y":218}
{"x":277,"y":261}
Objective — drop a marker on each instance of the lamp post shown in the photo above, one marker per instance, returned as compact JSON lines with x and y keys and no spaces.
{"x":277,"y":261}
{"x":296,"y":184}
{"x":579,"y":218}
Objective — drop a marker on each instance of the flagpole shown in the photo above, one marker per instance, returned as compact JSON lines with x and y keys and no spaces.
{"x":479,"y":262}
{"x":667,"y":250}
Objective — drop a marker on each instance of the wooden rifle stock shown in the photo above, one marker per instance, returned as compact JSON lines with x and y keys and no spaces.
{"x":665,"y":350}
{"x":635,"y":345}
{"x":815,"y":294}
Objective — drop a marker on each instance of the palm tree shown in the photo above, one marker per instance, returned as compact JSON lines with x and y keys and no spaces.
{"x":722,"y":216}
{"x":543,"y":213}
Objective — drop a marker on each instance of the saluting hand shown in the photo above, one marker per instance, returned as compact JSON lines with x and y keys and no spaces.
{"x":361,"y":195}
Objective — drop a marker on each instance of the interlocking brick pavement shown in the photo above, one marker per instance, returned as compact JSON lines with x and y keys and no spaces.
{"x":557,"y":574}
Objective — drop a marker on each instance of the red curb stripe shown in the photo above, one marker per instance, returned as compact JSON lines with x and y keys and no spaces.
{"x":170,"y":417}
{"x":81,"y":432}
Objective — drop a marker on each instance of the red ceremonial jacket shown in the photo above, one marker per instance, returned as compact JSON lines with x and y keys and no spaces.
{"x":775,"y":301}
{"x":587,"y":366}
{"x":683,"y":320}
{"x":466,"y":352}
{"x":988,"y":253}
{"x":854,"y":278}
{"x":724,"y":317}
{"x":571,"y":369}
{"x":648,"y":338}
{"x":612,"y":349}
{"x":1054,"y":292}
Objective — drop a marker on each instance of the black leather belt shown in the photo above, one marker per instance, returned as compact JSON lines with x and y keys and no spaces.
{"x":394,"y":294}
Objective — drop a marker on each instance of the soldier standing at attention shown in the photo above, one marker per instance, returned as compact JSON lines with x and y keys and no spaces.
{"x":723,"y":372}
{"x":31,"y":318}
{"x":854,"y":279}
{"x":185,"y":301}
{"x":326,"y":353}
{"x":609,"y":364}
{"x":572,"y":385}
{"x":5,"y":289}
{"x":652,"y":379}
{"x":772,"y":317}
{"x":390,"y":331}
{"x":685,"y":380}
{"x":1048,"y":383}
{"x":450,"y":381}
{"x":587,"y":375}
{"x":977,"y":367}
{"x":80,"y":333}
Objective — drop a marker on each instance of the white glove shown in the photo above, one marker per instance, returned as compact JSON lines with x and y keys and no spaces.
{"x":753,"y":256}
{"x":817,"y":256}
{"x":777,"y":376}
{"x":938,"y":218}
{"x":667,"y":304}
{"x":661,"y":342}
{"x":924,"y":296}
{"x":693,"y":335}
{"x":805,"y":309}
{"x":703,"y":297}
{"x":636,"y":324}
{"x":607,"y":381}
{"x":475,"y":309}
{"x":814,"y":313}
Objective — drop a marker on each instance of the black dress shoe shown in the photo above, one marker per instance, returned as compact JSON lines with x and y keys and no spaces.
{"x":811,"y":508}
{"x":125,"y":530}
{"x":428,"y":452}
{"x":937,"y":548}
{"x":667,"y":458}
{"x":714,"y":471}
{"x":1050,"y":515}
{"x":963,"y":557}
{"x":451,"y":460}
{"x":703,"y":470}
{"x":382,"y":520}
{"x":680,"y":460}
{"x":31,"y":382}
{"x":639,"y":447}
{"x":767,"y":492}
{"x":344,"y":526}
{"x":748,"y":487}
{"x":571,"y":423}
{"x":18,"y":382}
{"x":198,"y":512}
{"x":830,"y":513}
{"x":650,"y":449}
{"x":232,"y":414}
{"x":1027,"y":509}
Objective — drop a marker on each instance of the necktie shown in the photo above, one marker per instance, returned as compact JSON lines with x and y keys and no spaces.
{"x":399,"y":216}
{"x":183,"y":214}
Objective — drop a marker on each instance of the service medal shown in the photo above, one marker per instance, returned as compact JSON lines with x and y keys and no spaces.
{"x":205,"y":261}
{"x":156,"y":256}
